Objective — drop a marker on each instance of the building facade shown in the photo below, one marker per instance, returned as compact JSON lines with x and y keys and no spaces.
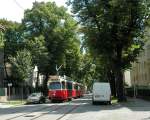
{"x":140,"y":73}
{"x":36,"y":78}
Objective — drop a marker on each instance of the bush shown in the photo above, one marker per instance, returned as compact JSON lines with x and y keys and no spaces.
{"x":141,"y":92}
{"x":2,"y":91}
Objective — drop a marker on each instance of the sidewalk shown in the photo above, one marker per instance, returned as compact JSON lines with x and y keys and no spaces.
{"x":5,"y":105}
{"x":12,"y":103}
{"x":136,"y":102}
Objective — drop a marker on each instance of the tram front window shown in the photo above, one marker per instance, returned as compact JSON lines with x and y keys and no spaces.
{"x":55,"y":85}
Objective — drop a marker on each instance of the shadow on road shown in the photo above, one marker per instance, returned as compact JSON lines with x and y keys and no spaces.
{"x":84,"y":105}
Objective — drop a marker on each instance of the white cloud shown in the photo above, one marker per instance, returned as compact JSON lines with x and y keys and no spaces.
{"x":14,"y":9}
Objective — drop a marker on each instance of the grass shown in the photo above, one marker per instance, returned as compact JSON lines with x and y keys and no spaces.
{"x":114,"y":100}
{"x":15,"y":102}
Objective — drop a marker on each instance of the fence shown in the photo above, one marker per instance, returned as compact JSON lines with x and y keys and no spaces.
{"x":3,"y":94}
{"x":20,"y":92}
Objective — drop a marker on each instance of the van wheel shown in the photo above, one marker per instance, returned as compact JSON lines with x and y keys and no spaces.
{"x":93,"y":102}
{"x":109,"y":102}
{"x":53,"y":101}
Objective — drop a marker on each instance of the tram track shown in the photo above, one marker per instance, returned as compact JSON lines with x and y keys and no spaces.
{"x":50,"y":109}
{"x":42,"y":114}
{"x":75,"y":107}
{"x":61,"y":116}
{"x":27,"y":113}
{"x":35,"y":110}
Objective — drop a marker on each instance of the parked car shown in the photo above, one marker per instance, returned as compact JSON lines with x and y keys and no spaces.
{"x":101,"y":92}
{"x":36,"y":98}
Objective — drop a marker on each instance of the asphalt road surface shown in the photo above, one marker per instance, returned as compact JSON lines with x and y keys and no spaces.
{"x":79,"y":109}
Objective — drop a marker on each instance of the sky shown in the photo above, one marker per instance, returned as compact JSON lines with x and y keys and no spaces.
{"x":14,"y":9}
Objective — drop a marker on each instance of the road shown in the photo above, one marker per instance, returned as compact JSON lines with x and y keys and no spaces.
{"x":79,"y":109}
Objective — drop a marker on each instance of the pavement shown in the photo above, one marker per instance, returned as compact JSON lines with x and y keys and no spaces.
{"x":14,"y":103}
{"x":78,"y":109}
{"x":5,"y":105}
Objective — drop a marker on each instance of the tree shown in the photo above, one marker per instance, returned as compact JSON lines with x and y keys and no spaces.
{"x":72,"y":61}
{"x":13,"y":40}
{"x":39,"y":53}
{"x":114,"y":29}
{"x":57,"y":29}
{"x":21,"y":67}
{"x":1,"y":38}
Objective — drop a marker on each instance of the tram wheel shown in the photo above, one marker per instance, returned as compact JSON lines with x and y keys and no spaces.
{"x":69,"y":99}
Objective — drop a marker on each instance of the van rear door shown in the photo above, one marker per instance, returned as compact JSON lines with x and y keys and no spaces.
{"x":101,"y":92}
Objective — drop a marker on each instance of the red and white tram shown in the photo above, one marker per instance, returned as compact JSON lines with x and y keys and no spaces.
{"x":62,"y":90}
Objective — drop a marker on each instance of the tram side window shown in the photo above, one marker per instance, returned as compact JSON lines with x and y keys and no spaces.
{"x":69,"y":86}
{"x":54,"y":85}
{"x":63,"y":85}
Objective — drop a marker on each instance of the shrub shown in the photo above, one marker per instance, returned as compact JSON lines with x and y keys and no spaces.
{"x":141,"y":92}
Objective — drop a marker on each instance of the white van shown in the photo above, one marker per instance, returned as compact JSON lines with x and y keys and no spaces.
{"x":101,"y":92}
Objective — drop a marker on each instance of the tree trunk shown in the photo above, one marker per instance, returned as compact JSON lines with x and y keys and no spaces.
{"x":119,"y":75}
{"x":112,"y":84}
{"x":6,"y":77}
{"x":6,"y":74}
{"x":120,"y":86}
{"x":45,"y":88}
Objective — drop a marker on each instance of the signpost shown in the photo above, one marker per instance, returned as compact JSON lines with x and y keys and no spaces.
{"x":9,"y":85}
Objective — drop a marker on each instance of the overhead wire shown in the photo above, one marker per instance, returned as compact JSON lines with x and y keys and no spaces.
{"x":18,"y":4}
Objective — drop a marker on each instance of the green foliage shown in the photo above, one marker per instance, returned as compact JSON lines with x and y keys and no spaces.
{"x":141,"y":92}
{"x":1,"y":40}
{"x":46,"y":37}
{"x":109,"y":25}
{"x":13,"y":42}
{"x":22,"y":66}
{"x":2,"y":92}
{"x":86,"y":72}
{"x":58,"y":31}
{"x":13,"y":38}
{"x":72,"y":61}
{"x":39,"y":52}
{"x":114,"y":30}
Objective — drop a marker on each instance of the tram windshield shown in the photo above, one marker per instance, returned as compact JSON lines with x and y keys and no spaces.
{"x":55,"y":85}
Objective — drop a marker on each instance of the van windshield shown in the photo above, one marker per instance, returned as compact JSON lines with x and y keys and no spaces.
{"x":55,"y":85}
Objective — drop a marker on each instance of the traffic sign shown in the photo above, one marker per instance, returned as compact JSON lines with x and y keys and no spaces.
{"x":9,"y":84}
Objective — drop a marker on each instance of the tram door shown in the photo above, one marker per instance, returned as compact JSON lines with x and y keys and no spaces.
{"x":69,"y":88}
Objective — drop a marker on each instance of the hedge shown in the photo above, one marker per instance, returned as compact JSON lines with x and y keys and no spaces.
{"x":2,"y":91}
{"x":141,"y":92}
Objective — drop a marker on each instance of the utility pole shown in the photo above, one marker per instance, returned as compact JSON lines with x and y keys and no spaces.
{"x":9,"y":85}
{"x":134,"y":89}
